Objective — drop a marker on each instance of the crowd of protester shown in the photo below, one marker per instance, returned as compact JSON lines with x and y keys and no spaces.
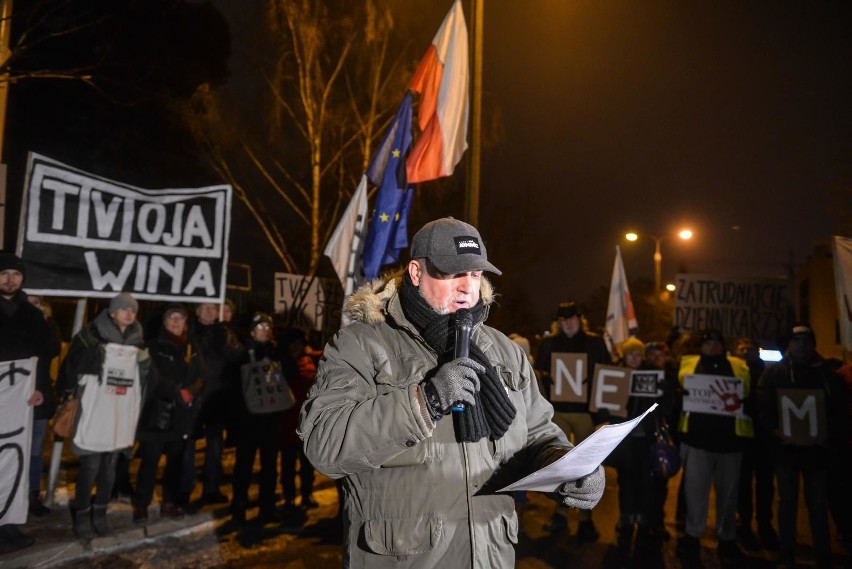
{"x":156,"y":390}
{"x":743,"y":456}
{"x":182,"y":378}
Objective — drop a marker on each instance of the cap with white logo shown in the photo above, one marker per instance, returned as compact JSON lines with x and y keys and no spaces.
{"x":453,"y":246}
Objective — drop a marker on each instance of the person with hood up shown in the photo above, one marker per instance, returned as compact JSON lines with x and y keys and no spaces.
{"x":421,"y":480}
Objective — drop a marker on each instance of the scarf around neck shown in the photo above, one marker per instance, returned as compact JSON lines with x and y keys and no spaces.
{"x":493,"y":412}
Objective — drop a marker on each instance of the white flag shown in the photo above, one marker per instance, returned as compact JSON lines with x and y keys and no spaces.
{"x":843,"y":284}
{"x":620,"y":317}
{"x":347,"y":242}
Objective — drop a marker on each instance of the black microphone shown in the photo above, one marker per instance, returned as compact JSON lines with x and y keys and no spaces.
{"x":464,"y":326}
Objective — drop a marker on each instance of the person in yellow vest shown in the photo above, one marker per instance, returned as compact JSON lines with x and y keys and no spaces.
{"x":714,"y":428}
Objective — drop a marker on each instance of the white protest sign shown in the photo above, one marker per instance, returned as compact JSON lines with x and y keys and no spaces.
{"x":646,"y":383}
{"x":802,"y":416}
{"x":17,"y":383}
{"x":610,"y":390}
{"x":713,"y":394}
{"x":568,"y":371}
{"x":111,"y":404}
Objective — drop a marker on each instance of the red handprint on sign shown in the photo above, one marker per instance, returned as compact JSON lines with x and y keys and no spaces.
{"x":726,"y":391}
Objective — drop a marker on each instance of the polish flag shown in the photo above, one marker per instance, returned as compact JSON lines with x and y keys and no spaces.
{"x":442,"y":81}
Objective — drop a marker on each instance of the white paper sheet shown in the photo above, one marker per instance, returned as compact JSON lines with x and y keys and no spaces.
{"x":580,"y":461}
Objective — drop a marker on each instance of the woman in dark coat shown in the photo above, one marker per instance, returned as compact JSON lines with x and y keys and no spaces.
{"x":169,"y":414}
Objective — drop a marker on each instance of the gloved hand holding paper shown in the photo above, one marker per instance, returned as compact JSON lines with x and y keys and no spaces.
{"x":580,"y":461}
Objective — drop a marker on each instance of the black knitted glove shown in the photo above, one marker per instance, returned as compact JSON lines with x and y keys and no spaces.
{"x":584,"y":493}
{"x":456,"y":380}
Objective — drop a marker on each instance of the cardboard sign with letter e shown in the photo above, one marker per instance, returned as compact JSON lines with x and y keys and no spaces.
{"x":568,"y":372}
{"x":801,"y":416}
{"x":610,"y":390}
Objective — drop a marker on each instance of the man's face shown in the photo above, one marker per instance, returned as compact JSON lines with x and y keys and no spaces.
{"x":801,"y":349}
{"x":569,"y":326}
{"x":445,"y":293}
{"x":10,"y":282}
{"x":712,"y":348}
{"x":124,"y":317}
{"x":207,"y":313}
{"x":175,"y":323}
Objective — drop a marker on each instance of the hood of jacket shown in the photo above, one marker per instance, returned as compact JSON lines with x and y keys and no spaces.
{"x":368,"y":303}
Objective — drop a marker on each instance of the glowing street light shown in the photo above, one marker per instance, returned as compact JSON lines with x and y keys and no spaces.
{"x":658,"y":256}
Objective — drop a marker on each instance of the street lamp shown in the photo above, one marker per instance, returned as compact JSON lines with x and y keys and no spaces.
{"x":658,"y":256}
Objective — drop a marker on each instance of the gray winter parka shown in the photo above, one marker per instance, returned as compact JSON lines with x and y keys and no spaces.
{"x":414,"y":497}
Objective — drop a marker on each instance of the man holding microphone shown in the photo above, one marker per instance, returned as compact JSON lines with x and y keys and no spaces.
{"x":419,"y":477}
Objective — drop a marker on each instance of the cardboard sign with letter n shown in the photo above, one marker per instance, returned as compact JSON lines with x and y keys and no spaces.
{"x":568,"y":371}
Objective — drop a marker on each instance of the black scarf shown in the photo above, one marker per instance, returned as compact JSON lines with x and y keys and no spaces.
{"x":493,"y":412}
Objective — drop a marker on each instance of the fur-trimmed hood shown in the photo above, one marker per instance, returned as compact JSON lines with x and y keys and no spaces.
{"x":367,"y":304}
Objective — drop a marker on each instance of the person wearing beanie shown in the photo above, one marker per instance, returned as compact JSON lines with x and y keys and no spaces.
{"x":574,"y":419}
{"x":637,"y":487}
{"x":636,"y":348}
{"x":123,"y":301}
{"x":24,"y":334}
{"x":169,"y":415}
{"x":808,"y":458}
{"x":110,"y":405}
{"x":410,"y":426}
{"x":712,"y":448}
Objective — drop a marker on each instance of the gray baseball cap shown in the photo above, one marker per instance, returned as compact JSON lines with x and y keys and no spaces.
{"x":453,"y":246}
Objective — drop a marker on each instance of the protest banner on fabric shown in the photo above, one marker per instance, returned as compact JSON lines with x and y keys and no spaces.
{"x":713,"y":394}
{"x":83,"y":235}
{"x":738,"y":307}
{"x":17,"y":383}
{"x":610,"y":390}
{"x":568,"y":372}
{"x":311,"y":303}
{"x":802,"y":416}
{"x":646,"y":382}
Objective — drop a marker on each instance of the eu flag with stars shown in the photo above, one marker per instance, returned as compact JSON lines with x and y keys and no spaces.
{"x":388,"y":231}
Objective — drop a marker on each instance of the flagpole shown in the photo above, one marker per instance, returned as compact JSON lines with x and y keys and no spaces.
{"x":472,"y":195}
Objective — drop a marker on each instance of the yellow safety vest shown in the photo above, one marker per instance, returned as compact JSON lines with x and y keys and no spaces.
{"x":743,"y":426}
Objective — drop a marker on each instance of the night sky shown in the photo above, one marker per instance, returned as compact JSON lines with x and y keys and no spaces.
{"x":732,"y":118}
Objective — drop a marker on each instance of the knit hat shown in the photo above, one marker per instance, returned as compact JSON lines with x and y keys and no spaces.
{"x":260,"y":318}
{"x":633,"y":345}
{"x":453,"y":246}
{"x":123,"y":300}
{"x":567,"y":310}
{"x":11,"y":261}
{"x":175,"y":307}
{"x":802,"y":330}
{"x":711,"y":335}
